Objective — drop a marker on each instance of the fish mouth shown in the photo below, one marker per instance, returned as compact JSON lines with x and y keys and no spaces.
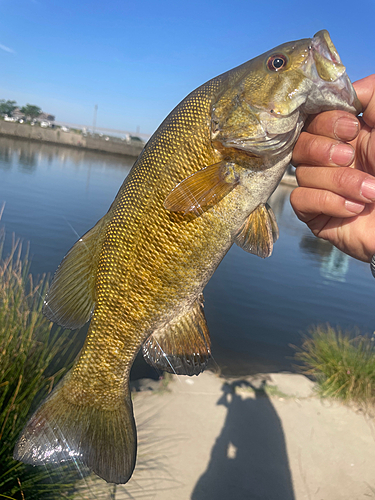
{"x":326,"y":57}
{"x":327,"y":72}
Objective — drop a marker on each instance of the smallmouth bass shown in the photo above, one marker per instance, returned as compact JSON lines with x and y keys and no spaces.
{"x":201,"y":183}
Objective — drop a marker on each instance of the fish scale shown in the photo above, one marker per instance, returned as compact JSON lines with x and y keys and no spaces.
{"x":131,"y":269}
{"x":201,"y":183}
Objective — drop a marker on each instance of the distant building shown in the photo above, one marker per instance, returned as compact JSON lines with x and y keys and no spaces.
{"x":43,"y":117}
{"x":46,"y":117}
{"x":18,"y":114}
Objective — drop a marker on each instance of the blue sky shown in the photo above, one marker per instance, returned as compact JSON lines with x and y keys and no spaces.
{"x":137,"y":59}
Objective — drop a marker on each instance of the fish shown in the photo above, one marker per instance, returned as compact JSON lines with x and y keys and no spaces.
{"x":200,"y":184}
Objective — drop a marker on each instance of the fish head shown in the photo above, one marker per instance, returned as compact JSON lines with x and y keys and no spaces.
{"x":266,"y":101}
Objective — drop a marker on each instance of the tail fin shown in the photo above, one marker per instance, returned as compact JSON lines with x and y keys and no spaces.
{"x":104,"y":440}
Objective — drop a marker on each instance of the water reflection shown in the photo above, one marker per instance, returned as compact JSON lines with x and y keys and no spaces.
{"x":27,"y":159}
{"x":249,"y":458}
{"x":334,"y":264}
{"x":6,"y":154}
{"x":30,"y":154}
{"x":55,"y":194}
{"x":315,"y":248}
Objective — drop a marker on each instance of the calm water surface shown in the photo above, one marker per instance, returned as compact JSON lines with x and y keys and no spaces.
{"x":255,"y":308}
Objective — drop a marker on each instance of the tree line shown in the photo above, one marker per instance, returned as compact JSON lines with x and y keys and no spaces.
{"x":8,"y":107}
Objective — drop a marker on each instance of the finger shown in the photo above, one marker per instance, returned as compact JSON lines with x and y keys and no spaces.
{"x":335,"y":124}
{"x":365,"y":90}
{"x":318,"y":224}
{"x":347,"y":182}
{"x":319,"y":150}
{"x":311,"y":203}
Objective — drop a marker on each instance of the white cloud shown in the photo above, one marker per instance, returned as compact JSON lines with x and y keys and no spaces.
{"x":7,"y":49}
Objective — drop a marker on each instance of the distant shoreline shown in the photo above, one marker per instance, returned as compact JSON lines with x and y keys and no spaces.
{"x":79,"y":141}
{"x":71,"y":139}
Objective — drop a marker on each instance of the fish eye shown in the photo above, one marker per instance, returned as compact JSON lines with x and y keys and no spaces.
{"x":276,"y":62}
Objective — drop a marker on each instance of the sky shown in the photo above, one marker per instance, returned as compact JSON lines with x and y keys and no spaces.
{"x":136,"y":60}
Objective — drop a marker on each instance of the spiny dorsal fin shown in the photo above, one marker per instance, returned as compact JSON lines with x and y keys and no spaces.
{"x":202,"y":190}
{"x":70,"y":299}
{"x":259,"y":232}
{"x":183,"y":346}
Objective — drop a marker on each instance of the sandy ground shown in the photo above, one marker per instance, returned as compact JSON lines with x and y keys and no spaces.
{"x":263,"y":438}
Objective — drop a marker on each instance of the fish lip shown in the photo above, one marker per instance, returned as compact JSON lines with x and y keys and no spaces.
{"x":322,"y":45}
{"x":322,"y":51}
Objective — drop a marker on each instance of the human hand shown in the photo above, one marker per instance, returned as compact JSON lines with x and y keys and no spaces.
{"x":335,"y":159}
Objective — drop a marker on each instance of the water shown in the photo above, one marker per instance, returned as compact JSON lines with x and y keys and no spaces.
{"x":255,"y":308}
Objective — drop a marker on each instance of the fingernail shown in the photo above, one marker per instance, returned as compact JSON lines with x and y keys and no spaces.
{"x":368,"y":188}
{"x":346,"y":128}
{"x":342,"y":154}
{"x":354,"y":207}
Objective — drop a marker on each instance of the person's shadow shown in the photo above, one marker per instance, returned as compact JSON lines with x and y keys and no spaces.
{"x":249,"y":459}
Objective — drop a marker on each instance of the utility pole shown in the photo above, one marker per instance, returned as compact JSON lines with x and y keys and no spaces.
{"x":94,"y":121}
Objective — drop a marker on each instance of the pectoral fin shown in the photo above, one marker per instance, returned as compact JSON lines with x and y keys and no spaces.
{"x":71,"y":297}
{"x":203,"y":189}
{"x":183,"y":346}
{"x":259,"y":232}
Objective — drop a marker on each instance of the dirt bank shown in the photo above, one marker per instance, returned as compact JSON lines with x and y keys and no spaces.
{"x":257,"y":438}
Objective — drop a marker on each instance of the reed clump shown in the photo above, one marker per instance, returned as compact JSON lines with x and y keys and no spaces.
{"x":342,"y":363}
{"x":28,"y":347}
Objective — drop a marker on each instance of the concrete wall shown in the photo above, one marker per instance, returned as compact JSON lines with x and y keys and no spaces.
{"x":57,"y":136}
{"x":117,"y":147}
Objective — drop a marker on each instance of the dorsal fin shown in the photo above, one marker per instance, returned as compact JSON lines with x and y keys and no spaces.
{"x":70,"y":299}
{"x":259,"y":232}
{"x":183,"y":346}
{"x":203,"y":189}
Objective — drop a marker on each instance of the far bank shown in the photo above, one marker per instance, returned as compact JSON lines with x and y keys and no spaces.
{"x":71,"y":138}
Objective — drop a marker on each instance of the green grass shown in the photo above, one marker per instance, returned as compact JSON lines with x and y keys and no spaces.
{"x":28,"y":349}
{"x":342,"y":363}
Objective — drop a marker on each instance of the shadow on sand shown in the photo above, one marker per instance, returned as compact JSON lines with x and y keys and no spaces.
{"x":249,"y":459}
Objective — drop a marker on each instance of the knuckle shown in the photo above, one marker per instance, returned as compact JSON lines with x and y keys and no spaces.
{"x":299,"y":172}
{"x":311,"y":146}
{"x":323,"y":200}
{"x":317,"y":224}
{"x":299,"y":148}
{"x":345,"y":180}
{"x":314,"y":227}
{"x":323,"y":123}
{"x":294,"y":197}
{"x":298,"y":202}
{"x":317,"y":151}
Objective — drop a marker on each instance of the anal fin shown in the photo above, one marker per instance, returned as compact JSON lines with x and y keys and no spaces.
{"x":259,"y":232}
{"x":182,"y":346}
{"x":70,"y":299}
